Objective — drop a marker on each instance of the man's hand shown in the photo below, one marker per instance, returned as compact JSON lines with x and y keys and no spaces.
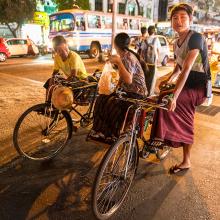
{"x":72,"y":78}
{"x":172,"y":104}
{"x":163,"y":83}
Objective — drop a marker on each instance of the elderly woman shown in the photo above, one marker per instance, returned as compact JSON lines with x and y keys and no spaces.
{"x":109,"y":112}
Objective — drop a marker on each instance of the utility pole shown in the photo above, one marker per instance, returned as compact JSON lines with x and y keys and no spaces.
{"x":114,"y":12}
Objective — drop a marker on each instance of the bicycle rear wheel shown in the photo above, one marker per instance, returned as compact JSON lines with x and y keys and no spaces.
{"x":42,"y":132}
{"x":114,"y":178}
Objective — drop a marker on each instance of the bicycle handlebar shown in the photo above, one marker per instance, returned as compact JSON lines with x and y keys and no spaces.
{"x":73,"y":84}
{"x":145,"y":103}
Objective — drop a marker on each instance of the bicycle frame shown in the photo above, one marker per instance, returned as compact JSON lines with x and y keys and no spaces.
{"x":86,"y":117}
{"x":139,"y":106}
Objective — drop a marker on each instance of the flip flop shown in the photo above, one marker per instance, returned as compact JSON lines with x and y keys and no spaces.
{"x":175,"y":169}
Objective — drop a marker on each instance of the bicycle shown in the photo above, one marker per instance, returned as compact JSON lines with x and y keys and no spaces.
{"x":118,"y":166}
{"x":42,"y":131}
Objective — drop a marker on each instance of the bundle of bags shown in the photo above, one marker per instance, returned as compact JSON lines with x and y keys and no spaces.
{"x":62,"y":98}
{"x":109,"y":80}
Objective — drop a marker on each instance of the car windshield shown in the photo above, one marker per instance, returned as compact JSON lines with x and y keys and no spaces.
{"x":61,"y":22}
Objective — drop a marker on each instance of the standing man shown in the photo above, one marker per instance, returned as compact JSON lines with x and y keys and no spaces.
{"x":148,"y":48}
{"x":152,"y":57}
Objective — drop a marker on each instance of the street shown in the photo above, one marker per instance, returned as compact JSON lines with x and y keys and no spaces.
{"x":61,"y":189}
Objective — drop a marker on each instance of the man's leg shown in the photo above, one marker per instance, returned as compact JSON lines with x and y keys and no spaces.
{"x":186,"y":156}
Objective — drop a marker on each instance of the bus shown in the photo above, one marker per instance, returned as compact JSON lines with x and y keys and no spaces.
{"x":91,"y":31}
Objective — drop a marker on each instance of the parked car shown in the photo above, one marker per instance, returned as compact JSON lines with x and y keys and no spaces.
{"x":19,"y":46}
{"x":164,"y":54}
{"x":4,"y":52}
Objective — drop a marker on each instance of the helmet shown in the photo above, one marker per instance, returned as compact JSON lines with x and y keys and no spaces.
{"x":62,"y":98}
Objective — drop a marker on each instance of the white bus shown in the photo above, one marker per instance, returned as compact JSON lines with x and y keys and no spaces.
{"x":91,"y":31}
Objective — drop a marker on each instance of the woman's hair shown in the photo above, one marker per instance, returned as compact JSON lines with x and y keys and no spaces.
{"x":122,"y":40}
{"x":58,"y":40}
{"x":182,"y":7}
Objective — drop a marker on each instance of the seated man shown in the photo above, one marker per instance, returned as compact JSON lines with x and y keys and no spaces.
{"x":66,"y":62}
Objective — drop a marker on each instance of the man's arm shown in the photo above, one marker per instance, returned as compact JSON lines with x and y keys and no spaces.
{"x":175,"y":73}
{"x":72,"y":75}
{"x":187,"y":66}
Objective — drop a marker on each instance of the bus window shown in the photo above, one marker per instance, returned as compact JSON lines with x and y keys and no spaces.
{"x":134,"y":24}
{"x":62,"y":22}
{"x":94,"y":21}
{"x":80,"y":22}
{"x":107,"y":22}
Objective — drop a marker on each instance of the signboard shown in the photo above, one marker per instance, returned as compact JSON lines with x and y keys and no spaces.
{"x":41,"y":18}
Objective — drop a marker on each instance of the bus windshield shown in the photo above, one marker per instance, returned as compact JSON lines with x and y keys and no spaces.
{"x":62,"y":22}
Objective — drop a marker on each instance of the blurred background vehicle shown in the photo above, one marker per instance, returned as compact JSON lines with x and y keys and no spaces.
{"x":43,"y":49}
{"x":4,"y":52}
{"x":19,"y":46}
{"x":164,"y":54}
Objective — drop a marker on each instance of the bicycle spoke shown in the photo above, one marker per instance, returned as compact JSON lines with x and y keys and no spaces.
{"x":105,"y":198}
{"x":40,"y":133}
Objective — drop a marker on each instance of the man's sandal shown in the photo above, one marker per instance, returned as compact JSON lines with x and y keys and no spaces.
{"x":175,"y":169}
{"x":155,"y":143}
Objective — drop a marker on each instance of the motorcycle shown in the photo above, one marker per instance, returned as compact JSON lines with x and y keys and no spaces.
{"x":43,"y":50}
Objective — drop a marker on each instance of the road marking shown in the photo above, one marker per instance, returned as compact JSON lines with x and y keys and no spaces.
{"x":27,"y":64}
{"x":22,"y":78}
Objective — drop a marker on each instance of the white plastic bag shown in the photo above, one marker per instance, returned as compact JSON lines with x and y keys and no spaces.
{"x":108,"y":80}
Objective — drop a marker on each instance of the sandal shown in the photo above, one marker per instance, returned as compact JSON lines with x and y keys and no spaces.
{"x":155,"y":143}
{"x":175,"y":169}
{"x":96,"y":135}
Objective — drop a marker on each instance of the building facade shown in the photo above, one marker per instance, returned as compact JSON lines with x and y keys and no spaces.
{"x":130,"y":7}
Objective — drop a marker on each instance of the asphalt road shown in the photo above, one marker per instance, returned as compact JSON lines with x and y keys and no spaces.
{"x":61,"y":189}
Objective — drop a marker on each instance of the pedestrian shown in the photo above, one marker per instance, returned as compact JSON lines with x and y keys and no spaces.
{"x":30,"y":47}
{"x":140,"y":40}
{"x":175,"y":127}
{"x":148,"y":47}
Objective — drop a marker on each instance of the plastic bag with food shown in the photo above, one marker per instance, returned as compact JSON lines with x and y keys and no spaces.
{"x":108,"y":80}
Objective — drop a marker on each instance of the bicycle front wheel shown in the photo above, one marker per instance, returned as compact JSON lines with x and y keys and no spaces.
{"x":41,"y":132}
{"x":114,"y":178}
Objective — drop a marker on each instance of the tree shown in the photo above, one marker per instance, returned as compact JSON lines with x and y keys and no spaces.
{"x":14,"y":13}
{"x":68,"y":4}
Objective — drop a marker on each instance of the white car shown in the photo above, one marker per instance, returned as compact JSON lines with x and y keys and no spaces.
{"x":164,"y":50}
{"x":19,"y":47}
